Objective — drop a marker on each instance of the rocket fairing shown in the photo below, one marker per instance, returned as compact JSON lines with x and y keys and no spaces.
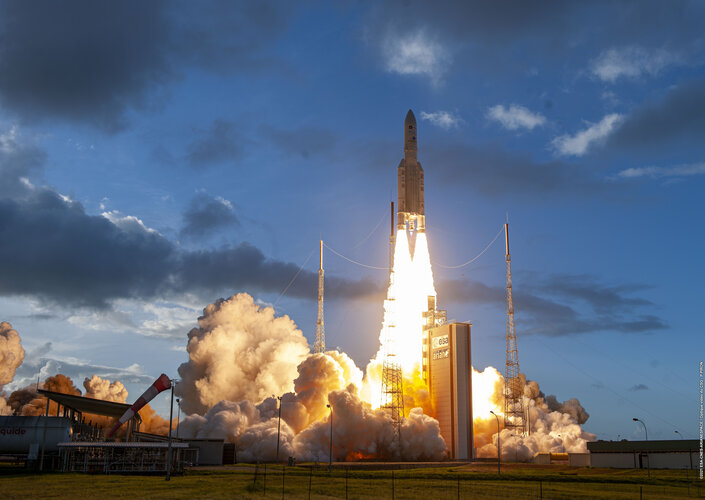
{"x":410,"y":190}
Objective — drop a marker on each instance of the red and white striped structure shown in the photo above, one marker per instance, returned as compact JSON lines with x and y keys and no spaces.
{"x":161,"y":384}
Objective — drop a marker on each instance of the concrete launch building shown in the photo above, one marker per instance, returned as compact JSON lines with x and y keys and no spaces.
{"x":448,"y":373}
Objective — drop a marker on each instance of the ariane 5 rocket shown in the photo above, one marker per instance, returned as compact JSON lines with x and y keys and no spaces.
{"x":410,"y":190}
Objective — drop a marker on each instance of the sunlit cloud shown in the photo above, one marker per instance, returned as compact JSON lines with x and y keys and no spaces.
{"x":630,"y":62}
{"x":578,"y":144}
{"x":515,"y":117}
{"x":662,"y":172}
{"x":415,"y":54}
{"x":442,"y":119}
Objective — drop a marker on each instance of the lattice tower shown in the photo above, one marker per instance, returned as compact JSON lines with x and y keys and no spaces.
{"x":392,"y":382}
{"x":320,"y":343}
{"x":513,"y":387}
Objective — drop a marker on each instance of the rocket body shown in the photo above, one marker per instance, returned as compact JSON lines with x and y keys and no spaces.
{"x":410,"y":183}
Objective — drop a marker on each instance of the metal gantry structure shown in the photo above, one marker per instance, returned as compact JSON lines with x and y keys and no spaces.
{"x":513,"y":386}
{"x":320,"y":344}
{"x":392,"y":381}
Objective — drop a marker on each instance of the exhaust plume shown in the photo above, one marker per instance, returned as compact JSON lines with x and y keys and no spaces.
{"x":11,"y":356}
{"x":240,"y":351}
{"x":98,"y":388}
{"x":319,"y":379}
{"x":555,"y":427}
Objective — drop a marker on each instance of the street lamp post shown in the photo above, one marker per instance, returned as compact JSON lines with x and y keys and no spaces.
{"x":330,"y":448}
{"x":279,"y":422}
{"x":681,"y":435}
{"x":499,"y":446}
{"x":646,"y":433}
{"x":171,"y":416}
{"x":178,"y":417}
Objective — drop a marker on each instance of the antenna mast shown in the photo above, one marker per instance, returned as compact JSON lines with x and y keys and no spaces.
{"x":320,"y":344}
{"x":513,"y":387}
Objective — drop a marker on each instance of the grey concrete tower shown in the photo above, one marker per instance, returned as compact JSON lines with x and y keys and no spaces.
{"x":410,"y":188}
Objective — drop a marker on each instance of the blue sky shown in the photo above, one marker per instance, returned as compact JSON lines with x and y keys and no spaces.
{"x":157,"y":157}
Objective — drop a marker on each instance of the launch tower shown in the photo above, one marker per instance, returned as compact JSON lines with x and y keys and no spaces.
{"x":392,"y":381}
{"x":513,"y":387}
{"x":320,"y":343}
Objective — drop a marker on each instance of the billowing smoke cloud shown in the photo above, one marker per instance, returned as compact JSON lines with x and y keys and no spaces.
{"x":554,"y":426}
{"x":27,"y":401}
{"x":11,"y":353}
{"x":11,"y":356}
{"x":240,"y":351}
{"x":360,"y":432}
{"x":98,"y":388}
{"x":241,"y":354}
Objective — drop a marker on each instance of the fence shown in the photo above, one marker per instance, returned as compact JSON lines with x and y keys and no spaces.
{"x":267,"y":481}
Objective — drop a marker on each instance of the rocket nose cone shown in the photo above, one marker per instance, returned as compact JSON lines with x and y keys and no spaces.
{"x":410,"y":118}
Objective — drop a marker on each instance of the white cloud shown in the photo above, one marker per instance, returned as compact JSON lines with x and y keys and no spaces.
{"x":630,"y":62}
{"x":167,"y":320}
{"x":415,"y":54}
{"x":128,"y":223}
{"x":661,"y":172}
{"x":8,"y":140}
{"x":103,"y":320}
{"x":515,"y":117}
{"x":442,"y":119}
{"x":578,"y":144}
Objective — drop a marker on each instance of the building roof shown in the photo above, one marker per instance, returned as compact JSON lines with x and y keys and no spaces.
{"x":639,"y":446}
{"x":87,"y":405}
{"x":121,"y":444}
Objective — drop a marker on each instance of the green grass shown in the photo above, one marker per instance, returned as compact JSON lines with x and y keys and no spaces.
{"x":474,"y":481}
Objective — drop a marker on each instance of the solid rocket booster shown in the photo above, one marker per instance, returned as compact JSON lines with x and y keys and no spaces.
{"x":410,"y":190}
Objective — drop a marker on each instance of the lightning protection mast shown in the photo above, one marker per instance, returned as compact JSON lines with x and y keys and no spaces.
{"x":513,"y":387}
{"x":320,"y":343}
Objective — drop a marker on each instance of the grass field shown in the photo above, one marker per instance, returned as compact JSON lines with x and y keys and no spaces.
{"x":471,"y":481}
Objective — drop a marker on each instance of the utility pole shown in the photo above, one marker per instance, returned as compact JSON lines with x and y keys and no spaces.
{"x":513,"y":387}
{"x":171,"y":416}
{"x":279,"y":423}
{"x":320,"y":343}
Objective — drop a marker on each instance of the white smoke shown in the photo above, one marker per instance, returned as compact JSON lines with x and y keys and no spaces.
{"x":11,"y":353}
{"x":319,"y":380}
{"x":98,"y":388}
{"x":11,"y":356}
{"x":554,"y":426}
{"x":240,"y":351}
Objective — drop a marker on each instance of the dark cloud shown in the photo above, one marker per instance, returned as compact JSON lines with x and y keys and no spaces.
{"x":52,"y":249}
{"x":17,"y":162}
{"x":90,"y":61}
{"x":546,"y":307}
{"x":220,"y":143}
{"x":679,"y":116}
{"x":247,"y":268}
{"x":487,"y":34}
{"x":639,"y":387}
{"x":206,"y":214}
{"x":602,"y":298}
{"x":304,"y":141}
{"x":491,"y":171}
